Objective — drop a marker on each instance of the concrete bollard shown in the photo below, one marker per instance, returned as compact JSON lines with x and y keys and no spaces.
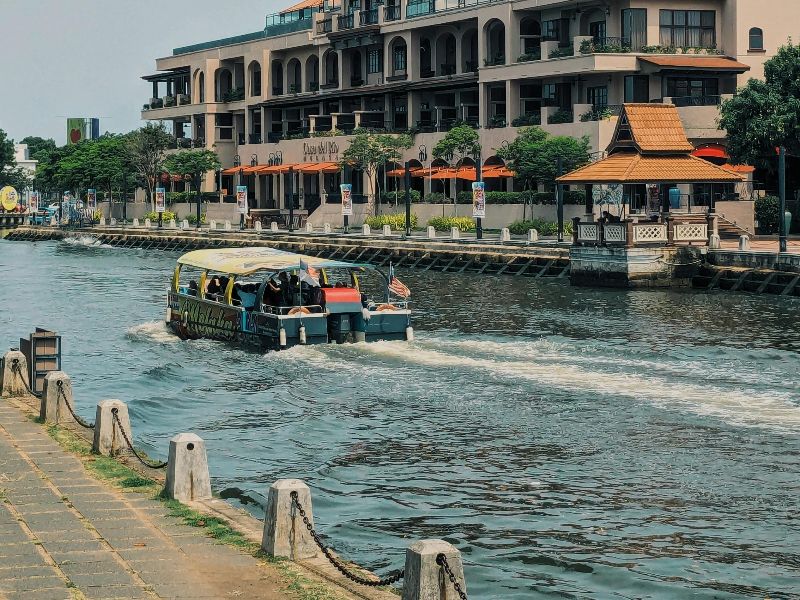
{"x":309,"y":228}
{"x":505,"y":235}
{"x":744,"y":243}
{"x":285,"y":534}
{"x":172,"y":224}
{"x":431,"y":232}
{"x":12,"y":383}
{"x":366,"y":229}
{"x":273,"y":227}
{"x":227,"y":225}
{"x":212,"y":224}
{"x":257,"y":226}
{"x":326,"y":228}
{"x":102,"y":221}
{"x":53,"y":222}
{"x":52,"y":406}
{"x":387,"y":230}
{"x":136,"y":223}
{"x":533,"y":235}
{"x":147,"y":223}
{"x":425,"y":579}
{"x":185,"y":224}
{"x":108,"y":439}
{"x":455,"y":233}
{"x":113,"y":222}
{"x":714,"y":242}
{"x":187,"y":469}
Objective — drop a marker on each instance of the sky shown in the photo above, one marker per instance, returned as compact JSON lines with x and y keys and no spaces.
{"x":85,"y":58}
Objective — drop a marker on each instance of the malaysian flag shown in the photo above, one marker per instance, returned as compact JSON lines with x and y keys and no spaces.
{"x":309,"y":271}
{"x":396,"y":286}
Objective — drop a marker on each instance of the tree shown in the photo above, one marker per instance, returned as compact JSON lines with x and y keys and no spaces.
{"x":100,"y":163}
{"x":193,"y":164}
{"x":38,"y":147}
{"x":534,"y":155}
{"x":7,"y":159}
{"x":146,"y":151}
{"x":766,"y":114}
{"x":10,"y":173}
{"x":461,"y":141}
{"x":368,"y":152}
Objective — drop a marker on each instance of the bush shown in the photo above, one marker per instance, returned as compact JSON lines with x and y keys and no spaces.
{"x":397,"y":221}
{"x":437,"y":198}
{"x":168,"y":216}
{"x":193,"y":219}
{"x":767,"y":214}
{"x":445,"y":223}
{"x":540,"y":225}
{"x":389,"y":197}
{"x":561,"y":116}
{"x":526,"y":120}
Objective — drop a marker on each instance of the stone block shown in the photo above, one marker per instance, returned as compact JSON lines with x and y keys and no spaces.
{"x":455,"y":233}
{"x":102,"y":221}
{"x":309,"y":228}
{"x":285,"y":534}
{"x":533,"y":235}
{"x":431,"y":232}
{"x":185,"y":224}
{"x":505,"y":235}
{"x":136,"y":223}
{"x":172,"y":224}
{"x":108,"y":439}
{"x":187,"y":469}
{"x":387,"y":230}
{"x":212,"y":224}
{"x":52,"y":408}
{"x":273,"y":227}
{"x":148,"y":224}
{"x":366,"y":229}
{"x":113,"y":222}
{"x":744,"y":243}
{"x":326,"y":228}
{"x":227,"y":225}
{"x":257,"y":225}
{"x":714,"y":241}
{"x":425,"y":579}
{"x":14,"y":372}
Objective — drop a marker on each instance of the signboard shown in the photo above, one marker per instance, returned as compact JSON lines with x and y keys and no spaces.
{"x":76,"y":130}
{"x":241,"y":198}
{"x":91,"y":199}
{"x":347,"y":199}
{"x":478,"y":199}
{"x":33,"y":202}
{"x":9,"y":198}
{"x":161,"y":200}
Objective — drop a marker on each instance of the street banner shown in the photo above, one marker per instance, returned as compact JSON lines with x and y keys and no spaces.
{"x":161,"y":200}
{"x":33,"y":202}
{"x":478,"y":200}
{"x":241,"y":199}
{"x":9,"y":198}
{"x":91,"y":199}
{"x":76,"y":130}
{"x":347,"y":199}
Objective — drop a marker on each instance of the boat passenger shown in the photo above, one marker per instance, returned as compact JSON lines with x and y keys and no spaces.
{"x":193,"y":288}
{"x":213,"y":289}
{"x":294,"y":291}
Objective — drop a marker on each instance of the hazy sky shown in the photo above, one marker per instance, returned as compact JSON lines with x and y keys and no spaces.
{"x":85,"y":58}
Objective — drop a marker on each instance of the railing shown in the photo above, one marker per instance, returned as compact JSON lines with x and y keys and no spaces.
{"x":325,"y":26}
{"x":330,"y":85}
{"x":419,"y":8}
{"x":606,"y":45}
{"x":283,"y":23}
{"x":647,"y":233}
{"x":345,"y":22}
{"x":683,"y":101}
{"x":598,"y":113}
{"x":391,"y":13}
{"x":255,"y":138}
{"x":369,"y":17}
{"x":346,"y":122}
{"x":493,"y":62}
{"x":690,"y":232}
{"x":446,"y":69}
{"x":562,"y":52}
{"x":425,"y":7}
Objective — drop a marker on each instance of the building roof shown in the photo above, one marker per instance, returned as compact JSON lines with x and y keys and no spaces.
{"x":632,"y":167}
{"x":654,"y":128}
{"x":302,"y":5}
{"x":689,"y":61}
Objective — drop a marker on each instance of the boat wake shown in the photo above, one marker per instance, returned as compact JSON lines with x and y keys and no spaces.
{"x":85,"y":241}
{"x":154,"y":331}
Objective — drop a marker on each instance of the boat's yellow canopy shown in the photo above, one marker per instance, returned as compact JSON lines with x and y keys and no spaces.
{"x":244,"y":261}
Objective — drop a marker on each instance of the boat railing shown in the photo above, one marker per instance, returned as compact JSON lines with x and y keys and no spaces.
{"x":284,"y":310}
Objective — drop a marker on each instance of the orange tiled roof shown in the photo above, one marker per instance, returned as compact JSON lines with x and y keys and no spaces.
{"x":631,"y":167}
{"x":697,"y":62}
{"x":302,"y":5}
{"x":656,"y":128}
{"x":739,"y":168}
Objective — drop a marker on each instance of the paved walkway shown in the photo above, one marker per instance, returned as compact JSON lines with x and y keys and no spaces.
{"x":792,"y":246}
{"x":65,"y":536}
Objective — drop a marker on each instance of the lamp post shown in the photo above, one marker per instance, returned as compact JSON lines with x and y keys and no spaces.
{"x":290,"y":196}
{"x":407,"y":183}
{"x":782,"y":244}
{"x":124,"y":200}
{"x":560,"y":199}
{"x":478,"y":177}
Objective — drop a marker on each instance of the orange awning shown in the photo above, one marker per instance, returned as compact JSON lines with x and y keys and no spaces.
{"x":273,"y":169}
{"x":711,"y":151}
{"x":694,"y":61}
{"x":402,"y":171}
{"x":443,"y":173}
{"x":248,"y":170}
{"x":738,"y":168}
{"x":467,"y":173}
{"x":323,"y":167}
{"x":496,"y":172}
{"x":231,"y":171}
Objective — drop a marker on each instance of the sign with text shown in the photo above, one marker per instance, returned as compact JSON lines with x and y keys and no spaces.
{"x":347,"y":199}
{"x":326,"y":150}
{"x":478,"y":199}
{"x":9,"y":198}
{"x":241,"y":199}
{"x":161,"y":200}
{"x":91,"y":199}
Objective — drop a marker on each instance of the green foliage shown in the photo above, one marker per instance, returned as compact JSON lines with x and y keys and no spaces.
{"x":438,"y":198}
{"x":540,"y":225}
{"x":461,"y":141}
{"x":194,"y":163}
{"x":562,"y":52}
{"x":766,"y":114}
{"x":10,"y":173}
{"x":399,"y":196}
{"x":168,"y":216}
{"x":368,"y":153}
{"x":39,"y":147}
{"x":6,"y":151}
{"x":102,"y":164}
{"x":330,"y":133}
{"x":446,"y":223}
{"x":146,"y":151}
{"x":192,"y":219}
{"x":767,"y":211}
{"x":531,"y":119}
{"x":397,"y":221}
{"x":561,"y":116}
{"x":534,"y":154}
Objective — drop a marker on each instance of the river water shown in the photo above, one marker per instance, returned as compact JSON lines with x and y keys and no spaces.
{"x":572,"y":443}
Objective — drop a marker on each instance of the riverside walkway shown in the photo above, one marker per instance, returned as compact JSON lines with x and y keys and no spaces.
{"x":65,"y":535}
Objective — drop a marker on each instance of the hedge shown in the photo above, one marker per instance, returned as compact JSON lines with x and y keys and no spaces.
{"x":540,"y":225}
{"x":397,"y":221}
{"x":528,"y":197}
{"x":446,"y":223}
{"x":389,"y":197}
{"x":767,"y":210}
{"x":167,"y":216}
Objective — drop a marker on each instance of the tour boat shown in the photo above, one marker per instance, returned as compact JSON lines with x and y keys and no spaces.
{"x":267,"y":299}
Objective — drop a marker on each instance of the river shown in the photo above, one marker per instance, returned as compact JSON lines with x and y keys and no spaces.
{"x":572,"y":443}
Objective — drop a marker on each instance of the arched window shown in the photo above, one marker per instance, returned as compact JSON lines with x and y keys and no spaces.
{"x":756,"y":38}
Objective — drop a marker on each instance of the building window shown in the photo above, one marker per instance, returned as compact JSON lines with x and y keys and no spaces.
{"x":556,"y":30}
{"x":756,"y":38}
{"x":375,"y":61}
{"x":634,"y":27}
{"x":598,"y":31}
{"x":399,"y":58}
{"x":637,"y":88}
{"x":597,"y":96}
{"x":691,"y":87}
{"x":688,"y":28}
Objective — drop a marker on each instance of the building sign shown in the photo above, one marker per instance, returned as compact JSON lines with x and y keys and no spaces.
{"x":91,"y":199}
{"x":241,"y":199}
{"x":9,"y":198}
{"x":324,"y":151}
{"x":347,"y":199}
{"x":33,"y":202}
{"x":478,"y":199}
{"x":161,"y":200}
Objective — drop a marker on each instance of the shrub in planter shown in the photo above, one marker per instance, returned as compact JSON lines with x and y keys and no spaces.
{"x":437,"y":198}
{"x":397,"y":221}
{"x":168,"y":216}
{"x":445,"y":223}
{"x":192,"y":219}
{"x":767,"y":214}
{"x":389,"y":197}
{"x":540,"y":225}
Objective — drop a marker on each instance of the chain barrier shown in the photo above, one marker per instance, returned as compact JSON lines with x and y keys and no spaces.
{"x":441,"y":560}
{"x":393,"y":578}
{"x":17,"y":370}
{"x":147,"y":464}
{"x":75,"y":416}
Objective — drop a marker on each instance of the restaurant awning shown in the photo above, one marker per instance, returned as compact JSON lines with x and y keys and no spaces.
{"x":711,"y":151}
{"x":494,"y":172}
{"x":231,"y":171}
{"x":274,"y":169}
{"x":401,"y":172}
{"x":245,"y":170}
{"x":323,"y":167}
{"x":631,"y":167}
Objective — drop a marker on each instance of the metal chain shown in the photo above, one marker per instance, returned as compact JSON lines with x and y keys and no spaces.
{"x":16,"y":369}
{"x":441,"y":560}
{"x":160,"y":465}
{"x":77,"y":418}
{"x":393,"y":578}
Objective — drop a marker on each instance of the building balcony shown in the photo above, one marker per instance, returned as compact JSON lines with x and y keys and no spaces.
{"x":345,"y":22}
{"x":392,"y":13}
{"x":324,"y":26}
{"x":368,"y":17}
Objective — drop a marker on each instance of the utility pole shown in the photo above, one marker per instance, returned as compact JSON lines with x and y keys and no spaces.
{"x":290,"y":196}
{"x":560,"y":199}
{"x":782,"y":246}
{"x":407,"y":183}
{"x":479,"y":220}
